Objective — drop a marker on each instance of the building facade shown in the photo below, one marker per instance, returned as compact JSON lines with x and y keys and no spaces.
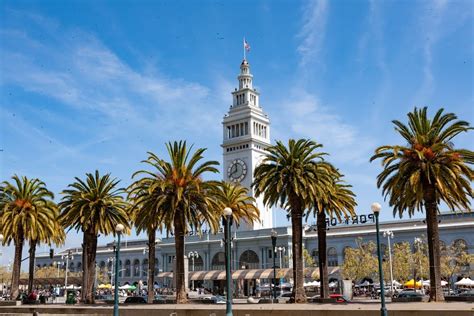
{"x":246,"y":133}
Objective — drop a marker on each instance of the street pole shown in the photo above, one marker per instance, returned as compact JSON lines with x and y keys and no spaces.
{"x":389,"y":235}
{"x":227,"y":224}
{"x":68,"y":256}
{"x":119,"y":228}
{"x":376,"y":207}
{"x":274,"y":240}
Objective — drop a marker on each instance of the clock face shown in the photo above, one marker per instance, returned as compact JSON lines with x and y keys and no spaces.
{"x":237,"y":170}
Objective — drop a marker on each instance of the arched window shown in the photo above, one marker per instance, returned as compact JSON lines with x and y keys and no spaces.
{"x":218,"y":261}
{"x":79,"y":267}
{"x":332,"y":257}
{"x":101,"y":266}
{"x":315,"y":257}
{"x":157,"y":266}
{"x":198,"y":264}
{"x":127,"y":268}
{"x":71,"y":267}
{"x":145,"y":268}
{"x":249,"y":260}
{"x":136,"y":268}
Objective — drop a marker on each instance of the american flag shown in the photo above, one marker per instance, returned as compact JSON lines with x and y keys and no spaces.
{"x":246,"y":45}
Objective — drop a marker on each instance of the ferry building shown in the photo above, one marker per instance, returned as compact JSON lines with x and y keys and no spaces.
{"x":246,"y":133}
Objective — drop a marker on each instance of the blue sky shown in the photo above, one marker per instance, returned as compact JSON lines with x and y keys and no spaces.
{"x":88,"y":85}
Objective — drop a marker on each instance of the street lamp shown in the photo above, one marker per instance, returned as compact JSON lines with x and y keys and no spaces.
{"x":281,"y":250}
{"x":192,"y":255}
{"x":389,"y":235}
{"x":376,"y":207}
{"x":274,"y":235}
{"x":119,"y":228}
{"x":68,"y":257}
{"x":227,"y":221}
{"x":417,"y":241}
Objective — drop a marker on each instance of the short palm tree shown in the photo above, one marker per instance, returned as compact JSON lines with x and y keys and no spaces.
{"x":291,"y":177}
{"x":424,"y":172}
{"x":146,"y":212}
{"x":185,"y":200}
{"x":27,"y":212}
{"x":235,"y":196}
{"x":94,"y":206}
{"x":339,"y":201}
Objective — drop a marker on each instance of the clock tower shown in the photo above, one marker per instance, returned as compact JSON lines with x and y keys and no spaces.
{"x":246,"y":134}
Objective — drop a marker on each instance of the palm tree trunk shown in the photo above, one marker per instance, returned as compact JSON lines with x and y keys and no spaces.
{"x":299,"y":294}
{"x":91,"y":269}
{"x":151,"y":265}
{"x":322,"y":254}
{"x":31,"y":270}
{"x":179,"y":270}
{"x":436,"y":292}
{"x":85,"y":268}
{"x":16,"y":268}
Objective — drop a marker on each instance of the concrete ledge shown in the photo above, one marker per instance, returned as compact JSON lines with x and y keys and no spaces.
{"x":410,"y":299}
{"x":322,"y":300}
{"x":351,"y":309}
{"x":7,"y":303}
{"x":459,"y":298}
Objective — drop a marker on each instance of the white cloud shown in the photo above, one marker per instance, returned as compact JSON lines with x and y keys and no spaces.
{"x":313,"y":31}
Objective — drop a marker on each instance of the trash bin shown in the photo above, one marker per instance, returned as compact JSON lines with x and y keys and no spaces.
{"x":71,"y":297}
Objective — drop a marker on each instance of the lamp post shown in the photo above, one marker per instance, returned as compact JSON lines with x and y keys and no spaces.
{"x":68,"y":257}
{"x":389,"y":235}
{"x":417,"y":241}
{"x":227,"y":221}
{"x":119,"y":228}
{"x":110,"y":267}
{"x":274,"y":235}
{"x":376,"y":207}
{"x":193,"y":255}
{"x":281,"y":250}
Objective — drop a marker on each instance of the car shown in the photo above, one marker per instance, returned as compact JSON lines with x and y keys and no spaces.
{"x":467,"y":293}
{"x":411,"y":293}
{"x":135,"y":300}
{"x":339,"y":298}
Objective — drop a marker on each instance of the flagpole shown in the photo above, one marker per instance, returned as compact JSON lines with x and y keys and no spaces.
{"x":243,"y":44}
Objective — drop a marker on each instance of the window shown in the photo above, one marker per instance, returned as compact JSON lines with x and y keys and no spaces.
{"x":246,"y":128}
{"x":332,"y":257}
{"x":270,"y":253}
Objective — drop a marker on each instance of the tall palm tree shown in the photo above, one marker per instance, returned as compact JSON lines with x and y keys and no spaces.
{"x":46,"y":230}
{"x":292,"y":177}
{"x":185,"y":200}
{"x":94,"y":206}
{"x":424,"y":172}
{"x":146,"y":212}
{"x":27,"y":212}
{"x":339,"y":201}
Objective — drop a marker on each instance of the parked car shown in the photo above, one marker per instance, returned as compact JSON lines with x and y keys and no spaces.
{"x":339,"y":298}
{"x":135,"y":300}
{"x":409,"y":294}
{"x":284,"y":297}
{"x":467,"y":293}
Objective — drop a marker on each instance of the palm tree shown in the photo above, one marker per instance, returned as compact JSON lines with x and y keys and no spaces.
{"x":292,"y":177}
{"x":45,"y":230}
{"x":94,"y":206}
{"x":185,"y":200}
{"x":146,"y":211}
{"x":27,"y":212}
{"x":426,"y":171}
{"x":339,"y":201}
{"x":235,"y":196}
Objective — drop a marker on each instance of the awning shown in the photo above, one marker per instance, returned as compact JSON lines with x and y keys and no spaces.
{"x":249,"y":274}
